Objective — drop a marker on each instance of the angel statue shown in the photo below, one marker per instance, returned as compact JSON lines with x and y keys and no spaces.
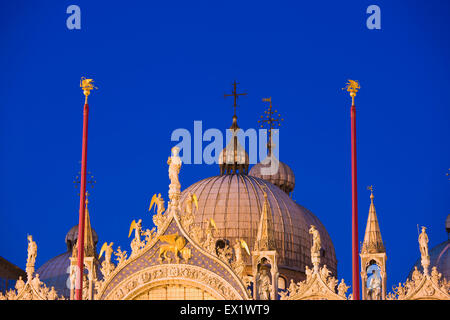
{"x":158,"y":201}
{"x":137,"y":227}
{"x":108,"y":250}
{"x":239,"y":264}
{"x":188,"y":218}
{"x":191,"y":198}
{"x":342,"y":288}
{"x":136,"y":243}
{"x":209,"y":243}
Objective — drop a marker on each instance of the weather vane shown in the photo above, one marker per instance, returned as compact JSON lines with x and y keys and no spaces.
{"x":270,"y":120}
{"x":235,"y":95}
{"x":370,"y":188}
{"x":352,"y":86}
{"x":87,"y":85}
{"x":89,"y":180}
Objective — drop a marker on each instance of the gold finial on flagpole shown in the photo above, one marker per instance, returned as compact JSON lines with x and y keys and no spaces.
{"x":352,"y":86}
{"x":87,"y":85}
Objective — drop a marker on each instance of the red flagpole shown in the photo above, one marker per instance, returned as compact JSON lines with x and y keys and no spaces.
{"x":355,"y":249}
{"x":79,"y":284}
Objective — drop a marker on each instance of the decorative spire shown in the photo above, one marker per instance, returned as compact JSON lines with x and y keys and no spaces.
{"x":265,"y":240}
{"x":270,"y":121}
{"x":89,"y":246}
{"x":372,"y":238}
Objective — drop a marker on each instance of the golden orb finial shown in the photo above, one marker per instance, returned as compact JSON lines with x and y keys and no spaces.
{"x":371,"y":192}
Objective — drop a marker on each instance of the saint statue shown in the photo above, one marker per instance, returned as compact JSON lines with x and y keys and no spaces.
{"x":315,"y":247}
{"x":36,"y":282}
{"x":137,"y":231}
{"x":292,"y":287}
{"x":423,"y":243}
{"x":174,"y":163}
{"x":73,"y":275}
{"x":85,"y":287}
{"x":237,"y":251}
{"x":52,"y":295}
{"x":264,"y":285}
{"x":20,"y":284}
{"x":308,"y":273}
{"x":209,"y":243}
{"x":374,"y":286}
{"x":32,"y":251}
{"x":416,"y":276}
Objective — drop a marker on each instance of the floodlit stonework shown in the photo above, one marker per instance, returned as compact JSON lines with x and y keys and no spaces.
{"x":233,"y":236}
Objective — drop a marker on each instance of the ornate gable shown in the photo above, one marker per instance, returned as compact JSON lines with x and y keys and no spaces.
{"x":171,"y":255}
{"x":317,"y":286}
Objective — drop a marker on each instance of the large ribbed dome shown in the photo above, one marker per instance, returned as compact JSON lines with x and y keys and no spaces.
{"x":235,"y":201}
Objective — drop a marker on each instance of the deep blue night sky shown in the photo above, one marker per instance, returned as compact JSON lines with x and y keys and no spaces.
{"x":159,"y":67}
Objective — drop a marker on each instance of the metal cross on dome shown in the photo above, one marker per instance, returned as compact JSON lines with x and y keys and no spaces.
{"x":235,"y":95}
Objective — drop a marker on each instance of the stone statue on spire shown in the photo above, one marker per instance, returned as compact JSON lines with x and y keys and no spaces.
{"x":423,"y":245}
{"x":174,"y":163}
{"x":315,"y":248}
{"x":31,"y":259}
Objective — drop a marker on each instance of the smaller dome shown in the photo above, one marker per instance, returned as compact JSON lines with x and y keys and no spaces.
{"x":55,"y":273}
{"x":283,"y":178}
{"x":72,"y":236}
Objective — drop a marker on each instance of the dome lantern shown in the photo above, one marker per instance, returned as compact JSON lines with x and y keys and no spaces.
{"x":234,"y":159}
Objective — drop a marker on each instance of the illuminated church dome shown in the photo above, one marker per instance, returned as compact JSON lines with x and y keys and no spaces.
{"x":234,"y":200}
